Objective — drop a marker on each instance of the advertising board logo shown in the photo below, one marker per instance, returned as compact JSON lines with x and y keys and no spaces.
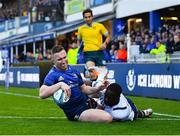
{"x":131,"y":80}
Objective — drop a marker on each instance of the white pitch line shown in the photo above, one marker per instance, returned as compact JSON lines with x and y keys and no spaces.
{"x":21,"y":117}
{"x":22,"y":95}
{"x":18,"y":94}
{"x":37,"y":97}
{"x":166,"y":119}
{"x":166,"y":115}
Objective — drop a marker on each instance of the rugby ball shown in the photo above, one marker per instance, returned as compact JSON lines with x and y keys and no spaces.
{"x":60,"y":97}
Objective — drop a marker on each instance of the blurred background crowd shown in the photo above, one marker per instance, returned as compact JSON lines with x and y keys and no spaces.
{"x":164,"y":40}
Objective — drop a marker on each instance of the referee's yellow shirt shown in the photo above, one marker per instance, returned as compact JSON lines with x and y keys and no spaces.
{"x":92,"y":36}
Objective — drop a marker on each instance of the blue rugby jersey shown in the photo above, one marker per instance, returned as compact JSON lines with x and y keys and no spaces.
{"x":72,"y":78}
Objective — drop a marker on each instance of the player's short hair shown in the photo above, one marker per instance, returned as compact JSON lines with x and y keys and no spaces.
{"x":112,"y":94}
{"x":87,"y":11}
{"x":57,"y":49}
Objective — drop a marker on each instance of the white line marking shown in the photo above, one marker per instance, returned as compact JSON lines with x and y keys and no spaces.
{"x":166,"y":119}
{"x":22,"y":95}
{"x":31,"y":96}
{"x":166,"y":115}
{"x":20,"y":117}
{"x":18,"y":94}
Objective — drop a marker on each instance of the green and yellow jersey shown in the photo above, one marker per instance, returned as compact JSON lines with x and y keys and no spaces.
{"x":92,"y":36}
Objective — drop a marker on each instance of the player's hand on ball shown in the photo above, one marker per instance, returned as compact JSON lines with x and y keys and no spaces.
{"x":60,"y":97}
{"x":66,"y":88}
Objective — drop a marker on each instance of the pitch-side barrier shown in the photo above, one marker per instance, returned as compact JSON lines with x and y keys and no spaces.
{"x":149,"y":80}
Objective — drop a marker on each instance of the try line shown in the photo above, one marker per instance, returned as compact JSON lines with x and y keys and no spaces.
{"x":59,"y":118}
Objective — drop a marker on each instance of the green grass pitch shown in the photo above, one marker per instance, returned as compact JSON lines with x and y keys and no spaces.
{"x":22,"y":112}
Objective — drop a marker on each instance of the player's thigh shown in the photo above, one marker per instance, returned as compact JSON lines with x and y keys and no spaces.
{"x":95,"y":115}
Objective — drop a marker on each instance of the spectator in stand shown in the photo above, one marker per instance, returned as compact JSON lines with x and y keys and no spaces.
{"x":16,"y":59}
{"x":176,"y":44}
{"x":169,"y":45}
{"x":177,"y":29}
{"x":48,"y":54}
{"x":72,"y":53}
{"x":144,"y":46}
{"x":151,"y":45}
{"x":160,"y":48}
{"x":121,"y":54}
{"x":38,"y":55}
{"x":113,"y":48}
{"x":161,"y":52}
{"x":113,"y":51}
{"x":22,"y":57}
{"x":30,"y":57}
{"x":41,"y":16}
{"x":138,"y":39}
{"x":165,"y":37}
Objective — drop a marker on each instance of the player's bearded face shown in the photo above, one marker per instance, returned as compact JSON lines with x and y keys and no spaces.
{"x":60,"y":60}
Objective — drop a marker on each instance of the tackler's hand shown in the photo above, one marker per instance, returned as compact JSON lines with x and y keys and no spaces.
{"x":100,"y":85}
{"x":106,"y":83}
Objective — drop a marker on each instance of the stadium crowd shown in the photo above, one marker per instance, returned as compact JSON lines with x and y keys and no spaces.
{"x":14,"y":8}
{"x":167,"y":35}
{"x":11,"y":9}
{"x":8,"y":13}
{"x":166,"y":40}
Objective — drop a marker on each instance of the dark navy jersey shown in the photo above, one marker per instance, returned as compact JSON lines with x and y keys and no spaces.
{"x":72,"y":78}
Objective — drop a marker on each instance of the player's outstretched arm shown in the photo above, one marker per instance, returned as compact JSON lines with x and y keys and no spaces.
{"x":91,"y":90}
{"x":47,"y":91}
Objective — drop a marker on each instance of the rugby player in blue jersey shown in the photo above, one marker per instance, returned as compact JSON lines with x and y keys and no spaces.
{"x":62,"y":76}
